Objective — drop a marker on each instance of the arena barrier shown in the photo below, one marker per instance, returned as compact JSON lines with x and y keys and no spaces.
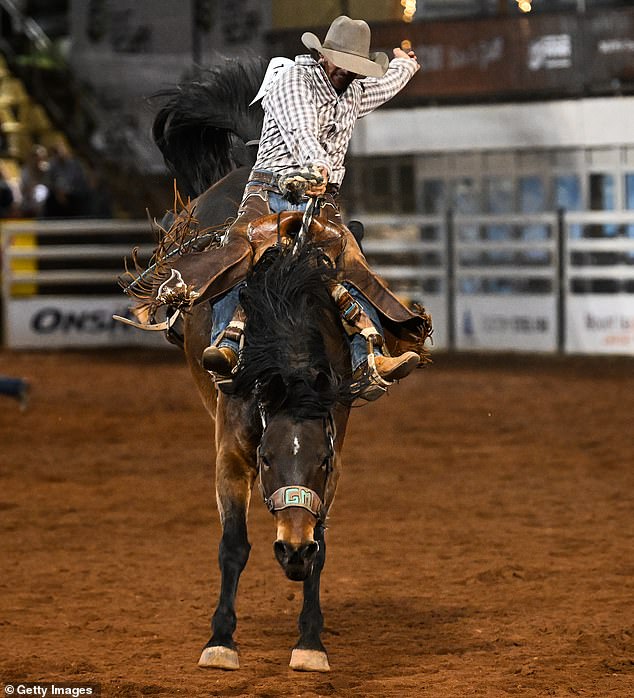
{"x":60,"y":283}
{"x":545,"y":282}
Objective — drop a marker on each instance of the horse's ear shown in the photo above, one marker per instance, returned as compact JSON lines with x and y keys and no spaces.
{"x":274,"y":391}
{"x":322,"y":383}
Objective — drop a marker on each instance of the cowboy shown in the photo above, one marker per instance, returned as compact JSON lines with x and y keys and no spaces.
{"x":309,"y":114}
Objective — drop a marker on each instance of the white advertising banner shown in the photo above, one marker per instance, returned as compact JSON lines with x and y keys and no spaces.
{"x":514,"y":322}
{"x":52,"y":322}
{"x":600,"y":324}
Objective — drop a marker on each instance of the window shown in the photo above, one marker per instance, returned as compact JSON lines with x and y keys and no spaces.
{"x":567,"y":192}
{"x":601,"y":192}
{"x":499,"y":198}
{"x":567,"y":196}
{"x":433,"y":196}
{"x":465,"y":197}
{"x":405,"y":195}
{"x":602,"y":198}
{"x":629,"y":191}
{"x":629,"y":204}
{"x":531,"y":191}
{"x":388,"y":186}
{"x":377,"y":187}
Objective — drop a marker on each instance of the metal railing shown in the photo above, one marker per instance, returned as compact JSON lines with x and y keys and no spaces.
{"x":517,"y":273}
{"x":491,"y":282}
{"x":60,"y":282}
{"x":62,"y":245}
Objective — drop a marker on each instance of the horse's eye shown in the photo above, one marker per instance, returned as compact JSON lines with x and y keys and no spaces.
{"x":324,"y":463}
{"x":264,"y":463}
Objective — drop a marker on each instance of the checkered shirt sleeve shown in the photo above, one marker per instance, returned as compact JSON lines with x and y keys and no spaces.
{"x":307,"y":122}
{"x":377,"y":91}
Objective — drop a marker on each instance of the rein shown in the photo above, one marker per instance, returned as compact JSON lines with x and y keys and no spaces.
{"x":300,"y":496}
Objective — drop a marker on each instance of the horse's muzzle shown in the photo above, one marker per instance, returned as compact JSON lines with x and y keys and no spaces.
{"x":296,"y":560}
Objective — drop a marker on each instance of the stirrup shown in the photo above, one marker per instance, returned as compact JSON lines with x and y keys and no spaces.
{"x":376,"y":385}
{"x":164,"y":326}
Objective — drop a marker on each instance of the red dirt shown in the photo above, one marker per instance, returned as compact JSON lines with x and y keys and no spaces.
{"x":481,"y":542}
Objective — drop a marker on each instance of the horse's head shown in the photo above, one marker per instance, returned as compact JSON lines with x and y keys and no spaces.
{"x":292,"y":372}
{"x":296,"y":460}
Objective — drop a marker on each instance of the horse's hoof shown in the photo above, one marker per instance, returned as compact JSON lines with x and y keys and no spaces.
{"x":219,"y":657}
{"x":309,"y":660}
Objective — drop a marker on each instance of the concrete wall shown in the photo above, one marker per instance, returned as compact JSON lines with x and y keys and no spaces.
{"x":559,"y":124}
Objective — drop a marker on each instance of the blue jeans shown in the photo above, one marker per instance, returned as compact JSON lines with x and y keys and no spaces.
{"x":224,"y":308}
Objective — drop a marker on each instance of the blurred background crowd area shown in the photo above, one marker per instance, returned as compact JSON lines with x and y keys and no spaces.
{"x":77,"y":77}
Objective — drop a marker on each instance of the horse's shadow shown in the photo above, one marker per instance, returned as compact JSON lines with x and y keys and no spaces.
{"x":379,"y":635}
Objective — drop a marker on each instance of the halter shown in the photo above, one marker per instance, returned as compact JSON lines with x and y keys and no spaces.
{"x":298,"y":495}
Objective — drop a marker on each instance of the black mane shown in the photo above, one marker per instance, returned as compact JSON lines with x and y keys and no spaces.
{"x":204,"y":124}
{"x":284,"y":362}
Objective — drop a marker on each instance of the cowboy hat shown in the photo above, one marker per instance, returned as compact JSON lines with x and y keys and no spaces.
{"x":347,"y":45}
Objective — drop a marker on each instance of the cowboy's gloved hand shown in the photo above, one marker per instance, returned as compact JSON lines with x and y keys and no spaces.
{"x":300,"y":183}
{"x":399,"y":53}
{"x":319,"y":189}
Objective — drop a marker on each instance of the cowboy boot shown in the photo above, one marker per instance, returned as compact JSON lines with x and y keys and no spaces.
{"x":393,"y":368}
{"x":222,"y":360}
{"x":355,"y":319}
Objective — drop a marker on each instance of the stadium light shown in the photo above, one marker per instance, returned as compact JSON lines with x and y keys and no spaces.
{"x":524,"y":5}
{"x":409,"y":9}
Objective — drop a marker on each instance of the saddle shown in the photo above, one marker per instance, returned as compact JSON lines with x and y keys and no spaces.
{"x":203,"y":272}
{"x":284,"y":228}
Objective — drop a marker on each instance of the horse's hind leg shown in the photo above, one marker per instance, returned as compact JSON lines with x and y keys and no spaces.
{"x":309,"y":653}
{"x":220,"y":652}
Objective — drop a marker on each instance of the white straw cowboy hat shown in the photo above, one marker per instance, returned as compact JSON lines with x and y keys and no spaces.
{"x":347,"y":45}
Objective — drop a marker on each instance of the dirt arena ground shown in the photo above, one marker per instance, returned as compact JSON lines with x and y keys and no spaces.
{"x":481,"y":542}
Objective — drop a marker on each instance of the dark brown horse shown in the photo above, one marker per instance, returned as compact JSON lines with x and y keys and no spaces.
{"x":283,"y":418}
{"x":284,"y":421}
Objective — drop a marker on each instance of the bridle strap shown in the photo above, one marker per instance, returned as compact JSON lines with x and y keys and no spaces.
{"x":296,"y":496}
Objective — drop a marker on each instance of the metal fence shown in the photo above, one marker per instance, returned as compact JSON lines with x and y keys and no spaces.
{"x":60,"y":282}
{"x":548,"y":282}
{"x":544,"y":282}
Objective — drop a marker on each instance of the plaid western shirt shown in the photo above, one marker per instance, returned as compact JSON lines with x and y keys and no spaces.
{"x":306,"y":121}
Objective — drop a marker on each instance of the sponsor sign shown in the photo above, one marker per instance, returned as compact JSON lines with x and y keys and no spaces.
{"x":550,"y":52}
{"x":54,"y":322}
{"x":563,"y":53}
{"x":600,"y":324}
{"x":517,"y":323}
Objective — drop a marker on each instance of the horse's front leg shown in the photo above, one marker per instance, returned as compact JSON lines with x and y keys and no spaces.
{"x":233,"y":492}
{"x":309,"y":653}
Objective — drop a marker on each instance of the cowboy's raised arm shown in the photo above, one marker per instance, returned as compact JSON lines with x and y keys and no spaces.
{"x":377,"y":91}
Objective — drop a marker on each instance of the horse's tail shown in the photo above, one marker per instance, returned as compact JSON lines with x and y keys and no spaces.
{"x":204,"y":124}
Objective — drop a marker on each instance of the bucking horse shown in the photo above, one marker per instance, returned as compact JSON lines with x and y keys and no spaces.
{"x":281,"y":420}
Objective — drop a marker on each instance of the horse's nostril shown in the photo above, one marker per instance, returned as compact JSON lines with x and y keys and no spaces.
{"x":288,"y":554}
{"x":309,"y":551}
{"x":282,"y":551}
